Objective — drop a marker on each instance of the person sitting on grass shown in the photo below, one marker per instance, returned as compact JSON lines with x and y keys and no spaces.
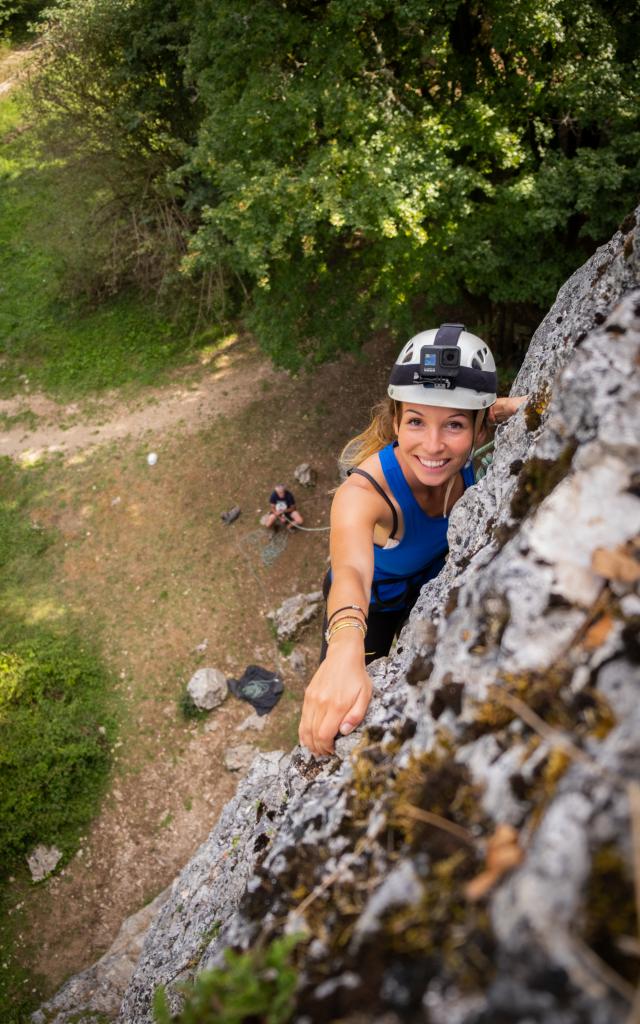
{"x":283,"y":509}
{"x":389,"y":518}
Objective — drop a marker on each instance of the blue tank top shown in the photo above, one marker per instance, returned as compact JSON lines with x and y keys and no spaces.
{"x":399,"y":571}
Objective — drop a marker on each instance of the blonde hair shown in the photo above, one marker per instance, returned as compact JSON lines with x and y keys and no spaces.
{"x":382,"y":431}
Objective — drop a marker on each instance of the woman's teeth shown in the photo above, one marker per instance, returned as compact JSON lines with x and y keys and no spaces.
{"x":431,"y":463}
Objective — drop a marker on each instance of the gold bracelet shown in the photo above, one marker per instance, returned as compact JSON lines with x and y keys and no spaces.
{"x":344,"y":625}
{"x":345,"y":618}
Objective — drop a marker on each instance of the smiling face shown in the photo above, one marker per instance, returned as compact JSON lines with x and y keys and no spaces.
{"x":433,"y":443}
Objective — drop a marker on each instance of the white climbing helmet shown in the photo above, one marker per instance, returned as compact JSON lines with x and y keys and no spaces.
{"x":447,"y":366}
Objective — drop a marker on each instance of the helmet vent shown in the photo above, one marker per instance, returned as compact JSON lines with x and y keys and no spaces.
{"x":476,"y":364}
{"x":408,"y":354}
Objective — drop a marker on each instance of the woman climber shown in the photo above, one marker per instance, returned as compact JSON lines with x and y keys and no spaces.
{"x":389,"y":518}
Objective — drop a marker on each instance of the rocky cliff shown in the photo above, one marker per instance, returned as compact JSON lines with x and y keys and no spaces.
{"x":468,"y":855}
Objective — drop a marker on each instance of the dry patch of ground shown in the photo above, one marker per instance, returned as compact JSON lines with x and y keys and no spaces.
{"x":35,"y":425}
{"x":149,"y":567}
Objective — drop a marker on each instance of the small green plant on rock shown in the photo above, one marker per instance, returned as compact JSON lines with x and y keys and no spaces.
{"x":189,"y":708}
{"x":256,"y":985}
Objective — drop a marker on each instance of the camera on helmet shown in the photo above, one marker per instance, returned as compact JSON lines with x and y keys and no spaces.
{"x":439,"y":365}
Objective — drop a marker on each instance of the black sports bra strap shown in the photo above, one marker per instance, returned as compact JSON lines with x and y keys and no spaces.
{"x":382,"y":493}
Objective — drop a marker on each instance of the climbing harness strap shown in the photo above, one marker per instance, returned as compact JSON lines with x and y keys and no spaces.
{"x":412,"y":583}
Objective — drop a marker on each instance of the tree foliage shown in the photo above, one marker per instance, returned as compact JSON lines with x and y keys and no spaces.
{"x":366,"y":157}
{"x":16,"y":14}
{"x":109,"y":93}
{"x":345,"y":166}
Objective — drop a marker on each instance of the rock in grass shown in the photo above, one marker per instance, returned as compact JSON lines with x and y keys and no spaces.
{"x":237,"y":759}
{"x":253,"y":721}
{"x":231,"y":516}
{"x":294,"y":613}
{"x":298,"y":662}
{"x":42,"y":861}
{"x":207,"y":688}
{"x":305,"y":475}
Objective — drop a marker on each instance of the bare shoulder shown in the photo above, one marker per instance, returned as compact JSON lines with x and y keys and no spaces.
{"x":356,"y":500}
{"x":372,"y":466}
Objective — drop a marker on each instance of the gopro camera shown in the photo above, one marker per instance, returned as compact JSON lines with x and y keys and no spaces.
{"x":439,"y":365}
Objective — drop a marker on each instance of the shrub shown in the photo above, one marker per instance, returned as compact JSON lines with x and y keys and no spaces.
{"x":257,"y":985}
{"x":55,"y":734}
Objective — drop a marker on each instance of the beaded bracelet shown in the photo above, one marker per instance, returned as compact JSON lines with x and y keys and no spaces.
{"x":342,"y":624}
{"x":346,"y":608}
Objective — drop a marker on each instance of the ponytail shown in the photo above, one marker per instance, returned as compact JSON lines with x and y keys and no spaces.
{"x":380,"y":432}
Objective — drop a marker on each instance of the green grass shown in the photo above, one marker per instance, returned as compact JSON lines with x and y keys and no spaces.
{"x":57,"y":719}
{"x":49,"y":342}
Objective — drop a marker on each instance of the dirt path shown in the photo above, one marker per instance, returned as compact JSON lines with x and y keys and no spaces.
{"x":237,"y":377}
{"x":12,"y":67}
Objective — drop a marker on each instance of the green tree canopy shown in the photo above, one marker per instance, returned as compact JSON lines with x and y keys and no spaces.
{"x":338,"y":166}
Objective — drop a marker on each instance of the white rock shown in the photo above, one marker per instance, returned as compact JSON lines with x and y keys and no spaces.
{"x":305,"y":475}
{"x":298,"y":661}
{"x":42,"y":861}
{"x":594,"y":523}
{"x":237,"y":759}
{"x":253,"y":721}
{"x":208,"y":688}
{"x":294,"y":613}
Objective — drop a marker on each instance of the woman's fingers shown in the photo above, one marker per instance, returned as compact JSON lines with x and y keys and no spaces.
{"x":356,"y":713}
{"x":319,"y":725}
{"x":503,"y":408}
{"x":334,"y":702}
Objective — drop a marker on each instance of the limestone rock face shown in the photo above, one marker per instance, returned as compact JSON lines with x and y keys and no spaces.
{"x":512,"y":699}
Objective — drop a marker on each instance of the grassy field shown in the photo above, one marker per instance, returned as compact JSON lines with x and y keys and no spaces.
{"x":57,"y":723}
{"x":50,"y":342}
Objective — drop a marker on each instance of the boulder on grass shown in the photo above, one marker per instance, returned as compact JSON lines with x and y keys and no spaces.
{"x":208,"y":688}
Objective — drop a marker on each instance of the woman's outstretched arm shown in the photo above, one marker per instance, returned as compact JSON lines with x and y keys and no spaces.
{"x":339,"y":693}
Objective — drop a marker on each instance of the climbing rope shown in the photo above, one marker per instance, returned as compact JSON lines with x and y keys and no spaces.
{"x":484,"y":457}
{"x":310,"y":529}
